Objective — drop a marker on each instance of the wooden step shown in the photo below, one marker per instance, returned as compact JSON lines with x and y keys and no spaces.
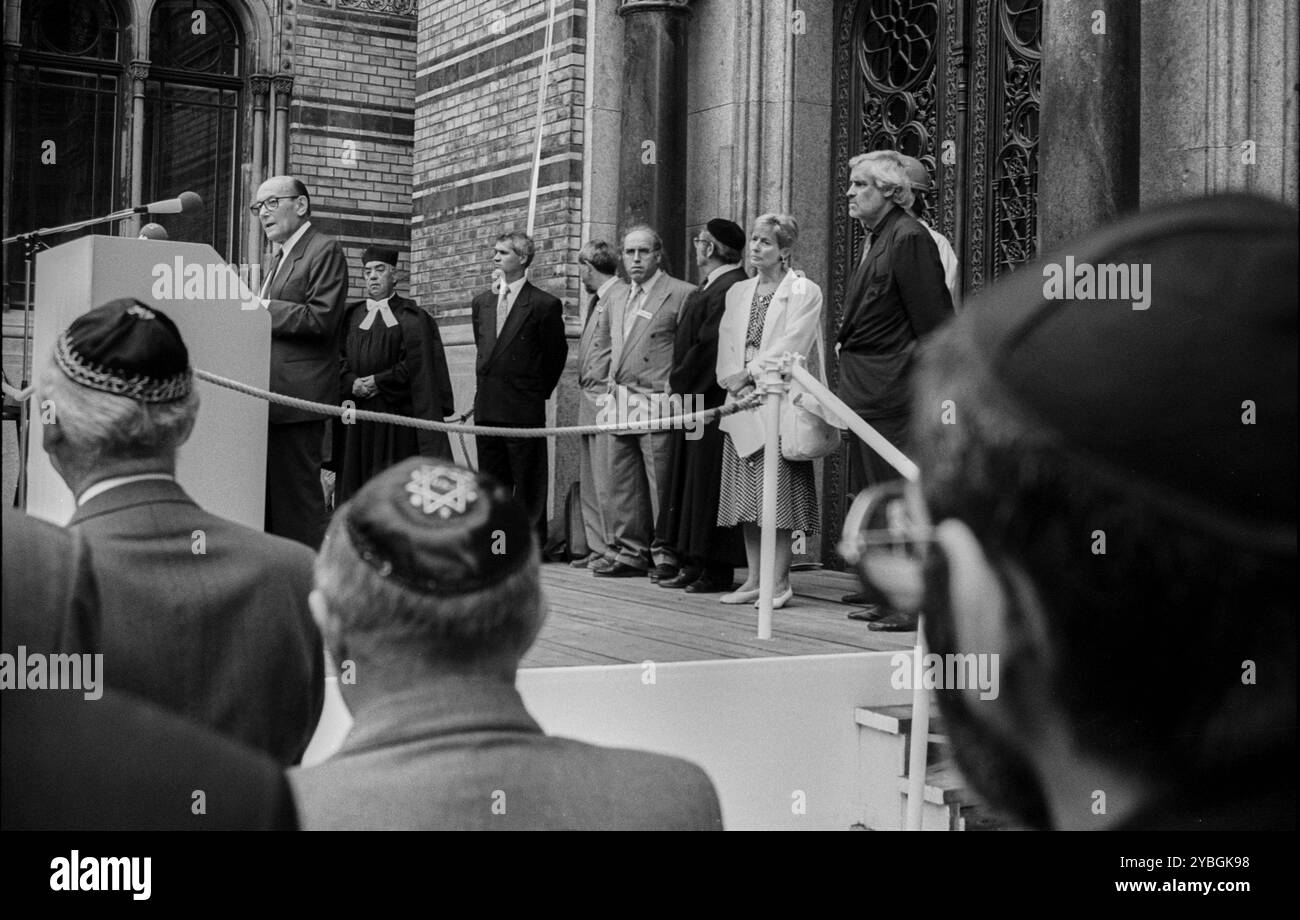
{"x":897,"y":720}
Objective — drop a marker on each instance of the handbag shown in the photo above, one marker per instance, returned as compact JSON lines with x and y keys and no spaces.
{"x":808,"y":430}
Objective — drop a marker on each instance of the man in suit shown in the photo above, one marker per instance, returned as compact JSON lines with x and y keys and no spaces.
{"x":597,"y":269}
{"x":392,"y":361}
{"x":895,"y":298}
{"x":51,"y":601}
{"x":519,"y":336}
{"x":642,"y":331}
{"x":305,"y":289}
{"x":688,"y":517}
{"x":429,"y":580}
{"x":199,"y":615}
{"x":120,"y":764}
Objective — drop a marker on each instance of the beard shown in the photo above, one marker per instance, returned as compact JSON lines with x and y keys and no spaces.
{"x":995,"y":769}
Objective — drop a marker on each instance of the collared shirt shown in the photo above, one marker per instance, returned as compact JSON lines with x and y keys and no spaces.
{"x":284,"y":257}
{"x":718,"y":273}
{"x":380,"y":308}
{"x":604,"y":288}
{"x":113,"y":482}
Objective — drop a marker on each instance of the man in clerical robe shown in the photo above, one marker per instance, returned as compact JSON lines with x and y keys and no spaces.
{"x":393,"y":362}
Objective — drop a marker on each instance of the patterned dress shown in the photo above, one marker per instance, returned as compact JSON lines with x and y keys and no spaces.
{"x":741,"y":500}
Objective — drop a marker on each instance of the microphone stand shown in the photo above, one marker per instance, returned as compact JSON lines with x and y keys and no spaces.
{"x":32,"y":244}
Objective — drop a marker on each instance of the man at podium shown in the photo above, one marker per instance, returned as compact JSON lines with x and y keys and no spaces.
{"x":305,"y":290}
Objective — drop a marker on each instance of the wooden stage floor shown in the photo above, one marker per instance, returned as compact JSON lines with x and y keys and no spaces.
{"x":629,"y":620}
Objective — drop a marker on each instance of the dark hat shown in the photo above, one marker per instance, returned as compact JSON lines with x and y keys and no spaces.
{"x":379,"y":254}
{"x":438,"y":528}
{"x":1183,"y":391}
{"x":129,"y":349}
{"x":726,"y":232}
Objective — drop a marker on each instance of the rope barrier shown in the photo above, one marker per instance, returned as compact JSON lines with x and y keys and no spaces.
{"x":366,"y":415}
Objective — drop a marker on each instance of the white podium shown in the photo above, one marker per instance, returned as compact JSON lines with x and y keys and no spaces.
{"x":223,"y":465}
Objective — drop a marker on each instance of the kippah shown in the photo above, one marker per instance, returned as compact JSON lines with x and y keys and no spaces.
{"x":1183,"y":385}
{"x":438,"y":528}
{"x":726,"y":232}
{"x":379,"y":254}
{"x":126,"y":348}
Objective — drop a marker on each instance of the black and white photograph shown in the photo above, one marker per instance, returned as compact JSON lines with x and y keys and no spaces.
{"x":656,"y":415}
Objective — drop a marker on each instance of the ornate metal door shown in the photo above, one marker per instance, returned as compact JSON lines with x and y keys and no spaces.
{"x":954,"y":83}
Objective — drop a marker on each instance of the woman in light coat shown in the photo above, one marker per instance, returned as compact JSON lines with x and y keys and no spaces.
{"x":774,"y":312}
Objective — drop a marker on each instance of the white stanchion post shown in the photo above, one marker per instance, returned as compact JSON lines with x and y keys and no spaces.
{"x":773,"y":387}
{"x":918,"y":754}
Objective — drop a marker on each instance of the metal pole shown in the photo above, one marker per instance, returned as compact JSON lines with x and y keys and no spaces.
{"x":773,"y":388}
{"x":918,"y":754}
{"x":541,"y":106}
{"x":24,"y":412}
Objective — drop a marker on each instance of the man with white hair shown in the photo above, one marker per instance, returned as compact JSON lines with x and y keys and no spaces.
{"x":895,"y":297}
{"x":199,"y":615}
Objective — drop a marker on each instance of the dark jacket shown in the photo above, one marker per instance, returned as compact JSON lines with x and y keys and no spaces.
{"x":51,"y":601}
{"x":205,"y":617}
{"x":695,"y":345}
{"x":517,"y":374}
{"x":462,"y":753}
{"x":895,"y":297}
{"x":306,"y":303}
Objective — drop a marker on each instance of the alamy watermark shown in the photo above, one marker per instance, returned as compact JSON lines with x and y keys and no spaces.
{"x":1107,"y":281}
{"x":651,"y":412}
{"x":181,"y":280}
{"x":946,"y":672}
{"x":39,"y":671}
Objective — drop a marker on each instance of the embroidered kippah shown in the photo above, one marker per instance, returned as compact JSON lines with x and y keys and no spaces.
{"x":126,"y":348}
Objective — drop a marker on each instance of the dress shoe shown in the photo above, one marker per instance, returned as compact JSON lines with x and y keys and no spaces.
{"x":586,"y":561}
{"x":739,"y":597}
{"x":897,"y":621}
{"x":682,"y":579}
{"x":782,"y":599}
{"x":618,"y":570}
{"x":706,"y":584}
{"x":868,"y":614}
{"x":663,"y":571}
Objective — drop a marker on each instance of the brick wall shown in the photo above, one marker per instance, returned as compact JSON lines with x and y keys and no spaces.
{"x":351,"y":128}
{"x":475,"y":122}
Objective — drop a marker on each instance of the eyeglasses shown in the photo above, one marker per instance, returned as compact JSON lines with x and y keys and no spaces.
{"x":887,"y":537}
{"x":699,"y":240}
{"x":270,"y":203}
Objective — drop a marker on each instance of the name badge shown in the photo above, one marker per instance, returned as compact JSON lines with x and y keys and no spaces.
{"x":645,"y":314}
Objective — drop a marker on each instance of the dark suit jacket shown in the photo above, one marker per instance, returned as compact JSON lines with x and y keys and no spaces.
{"x":442,"y":756}
{"x":223,"y":637}
{"x":695,"y":348}
{"x":518,"y":373}
{"x":895,"y":297}
{"x":51,"y":602}
{"x":117,"y":763}
{"x":307,"y":298}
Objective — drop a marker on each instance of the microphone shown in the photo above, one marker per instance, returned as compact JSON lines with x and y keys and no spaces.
{"x":153,"y":232}
{"x":185,"y":203}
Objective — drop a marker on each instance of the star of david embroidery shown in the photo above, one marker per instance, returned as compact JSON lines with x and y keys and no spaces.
{"x":142,"y":312}
{"x":441,"y":490}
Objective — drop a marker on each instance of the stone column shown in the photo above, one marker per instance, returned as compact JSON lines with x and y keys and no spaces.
{"x":139,"y":71}
{"x":283,"y":85}
{"x":652,"y":159}
{"x":1091,"y":114}
{"x":259,"y":85}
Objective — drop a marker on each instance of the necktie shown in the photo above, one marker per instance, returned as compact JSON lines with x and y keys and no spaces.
{"x":503,"y":307}
{"x":381,"y":308}
{"x":591,"y":309}
{"x":270,"y":275}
